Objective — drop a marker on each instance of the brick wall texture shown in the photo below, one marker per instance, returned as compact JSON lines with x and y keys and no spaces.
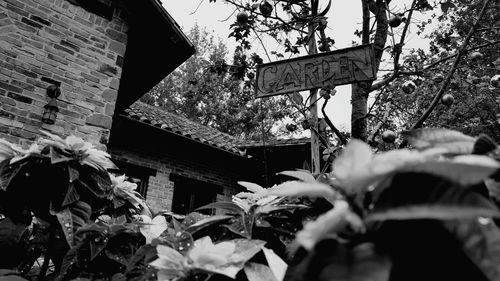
{"x":161,"y":188}
{"x":42,"y":41}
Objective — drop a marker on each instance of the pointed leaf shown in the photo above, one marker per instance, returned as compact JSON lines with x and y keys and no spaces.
{"x":71,"y":195}
{"x":259,"y":272}
{"x":299,"y":188}
{"x":250,"y":186}
{"x":276,"y":264}
{"x":439,"y":212}
{"x":57,"y":156}
{"x":266,"y":209}
{"x":301,"y":175}
{"x":66,"y":221}
{"x":8,"y":172}
{"x":207,"y":222}
{"x":96,"y":246}
{"x":73,"y":174}
{"x":229,"y":206}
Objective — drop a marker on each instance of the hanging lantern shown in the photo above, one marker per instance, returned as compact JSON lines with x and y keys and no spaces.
{"x":50,"y":109}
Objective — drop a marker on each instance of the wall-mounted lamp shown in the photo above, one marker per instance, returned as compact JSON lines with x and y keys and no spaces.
{"x":51,"y":109}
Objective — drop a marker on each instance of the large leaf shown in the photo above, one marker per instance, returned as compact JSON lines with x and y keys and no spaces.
{"x":333,"y":261}
{"x":138,"y":267}
{"x":440,"y":212}
{"x":228,"y":206}
{"x":299,"y":174}
{"x":96,"y":181}
{"x":259,"y":272}
{"x":207,"y":222}
{"x":464,"y":170}
{"x":66,"y":221}
{"x":253,"y":187}
{"x":299,"y":188}
{"x":266,"y":209}
{"x":452,"y":142}
{"x":421,"y":196}
{"x":480,"y":240}
{"x":8,"y":172}
{"x":71,"y":195}
{"x":276,"y":264}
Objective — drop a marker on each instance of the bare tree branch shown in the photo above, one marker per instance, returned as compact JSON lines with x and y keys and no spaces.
{"x":329,"y":122}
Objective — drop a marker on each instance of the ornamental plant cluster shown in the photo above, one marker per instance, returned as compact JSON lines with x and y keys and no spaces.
{"x":425,"y":213}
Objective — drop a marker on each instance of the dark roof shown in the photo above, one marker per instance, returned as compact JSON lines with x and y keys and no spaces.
{"x":178,"y":125}
{"x":156,"y":46}
{"x":279,"y":142}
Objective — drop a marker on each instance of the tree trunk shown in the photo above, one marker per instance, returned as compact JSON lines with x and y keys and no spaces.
{"x":360,"y":91}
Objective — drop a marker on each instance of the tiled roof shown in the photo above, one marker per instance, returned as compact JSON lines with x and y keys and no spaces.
{"x":279,"y":142}
{"x":178,"y":125}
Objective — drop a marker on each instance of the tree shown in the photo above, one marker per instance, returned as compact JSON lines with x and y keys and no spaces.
{"x":386,"y":25}
{"x":211,"y":91}
{"x":474,"y":110}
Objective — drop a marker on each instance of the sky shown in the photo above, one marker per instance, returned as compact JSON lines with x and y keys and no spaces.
{"x":344,"y":18}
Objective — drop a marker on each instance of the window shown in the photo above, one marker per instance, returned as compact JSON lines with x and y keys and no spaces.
{"x":190,"y":194}
{"x":136,"y":174}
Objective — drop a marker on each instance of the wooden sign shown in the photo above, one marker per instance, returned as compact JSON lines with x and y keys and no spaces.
{"x":337,"y":67}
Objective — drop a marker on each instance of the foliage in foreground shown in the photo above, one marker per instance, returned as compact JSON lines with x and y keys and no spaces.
{"x":427,"y":213}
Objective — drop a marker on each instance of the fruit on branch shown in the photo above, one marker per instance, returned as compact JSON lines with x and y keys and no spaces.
{"x":448,"y":99}
{"x":388,"y":136}
{"x":323,"y":47}
{"x":495,"y":81}
{"x":291,"y":127}
{"x":438,"y":78}
{"x":409,"y":87}
{"x":476,"y":56}
{"x":266,"y":8}
{"x":242,"y":17}
{"x":250,"y":75}
{"x":395,"y":21}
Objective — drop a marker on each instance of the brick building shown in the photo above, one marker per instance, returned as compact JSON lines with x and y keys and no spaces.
{"x":103,"y":55}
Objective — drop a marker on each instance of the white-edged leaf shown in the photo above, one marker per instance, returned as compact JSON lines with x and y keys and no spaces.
{"x":299,"y":174}
{"x":464,"y":169}
{"x":259,"y":272}
{"x":250,"y":186}
{"x":299,"y":188}
{"x":351,"y":168}
{"x":331,"y":222}
{"x":440,"y":212}
{"x":276,"y":264}
{"x":453,"y":141}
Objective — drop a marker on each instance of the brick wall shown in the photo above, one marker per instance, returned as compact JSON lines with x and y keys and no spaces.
{"x":161,"y":189}
{"x":54,"y":41}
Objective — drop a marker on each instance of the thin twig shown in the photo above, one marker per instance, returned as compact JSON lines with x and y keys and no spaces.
{"x":197,"y":7}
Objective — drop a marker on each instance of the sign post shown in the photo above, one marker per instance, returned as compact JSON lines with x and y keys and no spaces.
{"x":329,"y":69}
